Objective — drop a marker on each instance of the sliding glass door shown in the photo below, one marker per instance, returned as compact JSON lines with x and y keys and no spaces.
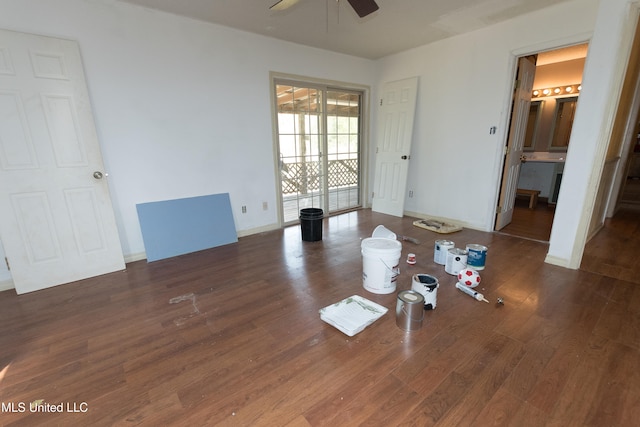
{"x":319,"y":144}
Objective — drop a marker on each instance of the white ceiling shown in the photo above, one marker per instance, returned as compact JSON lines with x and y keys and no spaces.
{"x":333,"y":25}
{"x":565,"y":54}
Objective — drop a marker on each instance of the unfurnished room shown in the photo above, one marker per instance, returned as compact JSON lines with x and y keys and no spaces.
{"x":319,"y":212}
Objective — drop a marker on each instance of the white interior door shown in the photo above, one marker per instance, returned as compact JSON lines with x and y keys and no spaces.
{"x":515,"y":143}
{"x":56,"y":218}
{"x":395,"y":133}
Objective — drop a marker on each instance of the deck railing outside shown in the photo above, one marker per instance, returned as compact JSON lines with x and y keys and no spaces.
{"x":301,"y":186}
{"x":305,"y":177}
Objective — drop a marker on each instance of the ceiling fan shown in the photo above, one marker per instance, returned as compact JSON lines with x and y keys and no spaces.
{"x":362,"y":7}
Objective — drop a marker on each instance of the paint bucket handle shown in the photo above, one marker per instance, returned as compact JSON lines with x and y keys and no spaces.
{"x":394,"y":271}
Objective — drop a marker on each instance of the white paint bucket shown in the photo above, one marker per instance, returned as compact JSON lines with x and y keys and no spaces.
{"x":476,"y":256}
{"x":380,"y":261}
{"x":456,"y":261}
{"x":440,"y":251}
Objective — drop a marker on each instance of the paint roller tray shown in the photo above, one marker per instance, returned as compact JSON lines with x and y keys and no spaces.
{"x":352,"y":315}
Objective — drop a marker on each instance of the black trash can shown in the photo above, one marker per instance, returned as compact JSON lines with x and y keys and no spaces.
{"x":311,"y":224}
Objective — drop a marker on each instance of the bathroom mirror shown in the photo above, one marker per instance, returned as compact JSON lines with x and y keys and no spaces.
{"x":533,"y":123}
{"x":562,"y":123}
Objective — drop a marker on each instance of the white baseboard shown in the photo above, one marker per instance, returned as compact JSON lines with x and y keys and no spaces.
{"x":595,"y":231}
{"x":560,"y":262}
{"x":243,"y":233}
{"x":135,"y":257}
{"x":5,"y":285}
{"x":263,"y":229}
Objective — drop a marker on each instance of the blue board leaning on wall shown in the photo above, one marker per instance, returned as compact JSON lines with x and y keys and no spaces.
{"x":181,"y":226}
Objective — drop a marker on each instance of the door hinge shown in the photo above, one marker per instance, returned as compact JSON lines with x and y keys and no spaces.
{"x":380,"y":101}
{"x":6,"y":261}
{"x":373,"y":194}
{"x":516,"y":85}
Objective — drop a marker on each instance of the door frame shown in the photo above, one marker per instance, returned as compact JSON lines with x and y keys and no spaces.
{"x":275,"y":76}
{"x":629,"y":132}
{"x":515,"y":55}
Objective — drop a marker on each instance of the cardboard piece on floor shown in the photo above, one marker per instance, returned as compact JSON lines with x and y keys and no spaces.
{"x":437,"y":226}
{"x":181,"y":226}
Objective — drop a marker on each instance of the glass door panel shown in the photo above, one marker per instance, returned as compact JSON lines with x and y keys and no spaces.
{"x":299,"y":112}
{"x":319,"y":148}
{"x":343,"y":149}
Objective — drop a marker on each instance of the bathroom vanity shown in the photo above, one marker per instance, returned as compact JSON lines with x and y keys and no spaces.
{"x":542,"y":170}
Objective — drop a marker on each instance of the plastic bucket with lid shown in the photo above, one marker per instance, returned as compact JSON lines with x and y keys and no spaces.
{"x":382,"y":231}
{"x":380,"y":261}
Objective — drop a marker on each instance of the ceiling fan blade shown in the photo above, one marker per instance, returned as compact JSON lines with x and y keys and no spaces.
{"x":363,"y":7}
{"x":283,"y":4}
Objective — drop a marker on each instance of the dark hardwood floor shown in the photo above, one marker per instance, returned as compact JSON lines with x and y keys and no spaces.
{"x":232,"y":336}
{"x":531,"y":223}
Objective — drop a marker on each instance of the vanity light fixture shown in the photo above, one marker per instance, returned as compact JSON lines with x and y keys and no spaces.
{"x":556,"y":91}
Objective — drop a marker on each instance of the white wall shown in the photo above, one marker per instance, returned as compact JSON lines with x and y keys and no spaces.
{"x":464,"y":90}
{"x":182,"y":107}
{"x":602,"y":82}
{"x":537,"y":176}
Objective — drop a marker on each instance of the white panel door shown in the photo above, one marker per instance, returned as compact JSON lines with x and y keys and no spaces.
{"x":395,"y":133}
{"x":56,"y":219}
{"x":515,"y":143}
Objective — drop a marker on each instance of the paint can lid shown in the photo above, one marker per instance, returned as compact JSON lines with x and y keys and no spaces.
{"x":410,"y":297}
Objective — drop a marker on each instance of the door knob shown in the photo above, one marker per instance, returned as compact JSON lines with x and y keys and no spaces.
{"x":97,"y":175}
{"x":404,"y":157}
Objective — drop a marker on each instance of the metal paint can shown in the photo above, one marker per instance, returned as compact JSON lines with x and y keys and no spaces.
{"x":476,"y":256}
{"x":409,"y":310}
{"x":440,"y":251}
{"x":427,"y":286}
{"x":456,"y":261}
